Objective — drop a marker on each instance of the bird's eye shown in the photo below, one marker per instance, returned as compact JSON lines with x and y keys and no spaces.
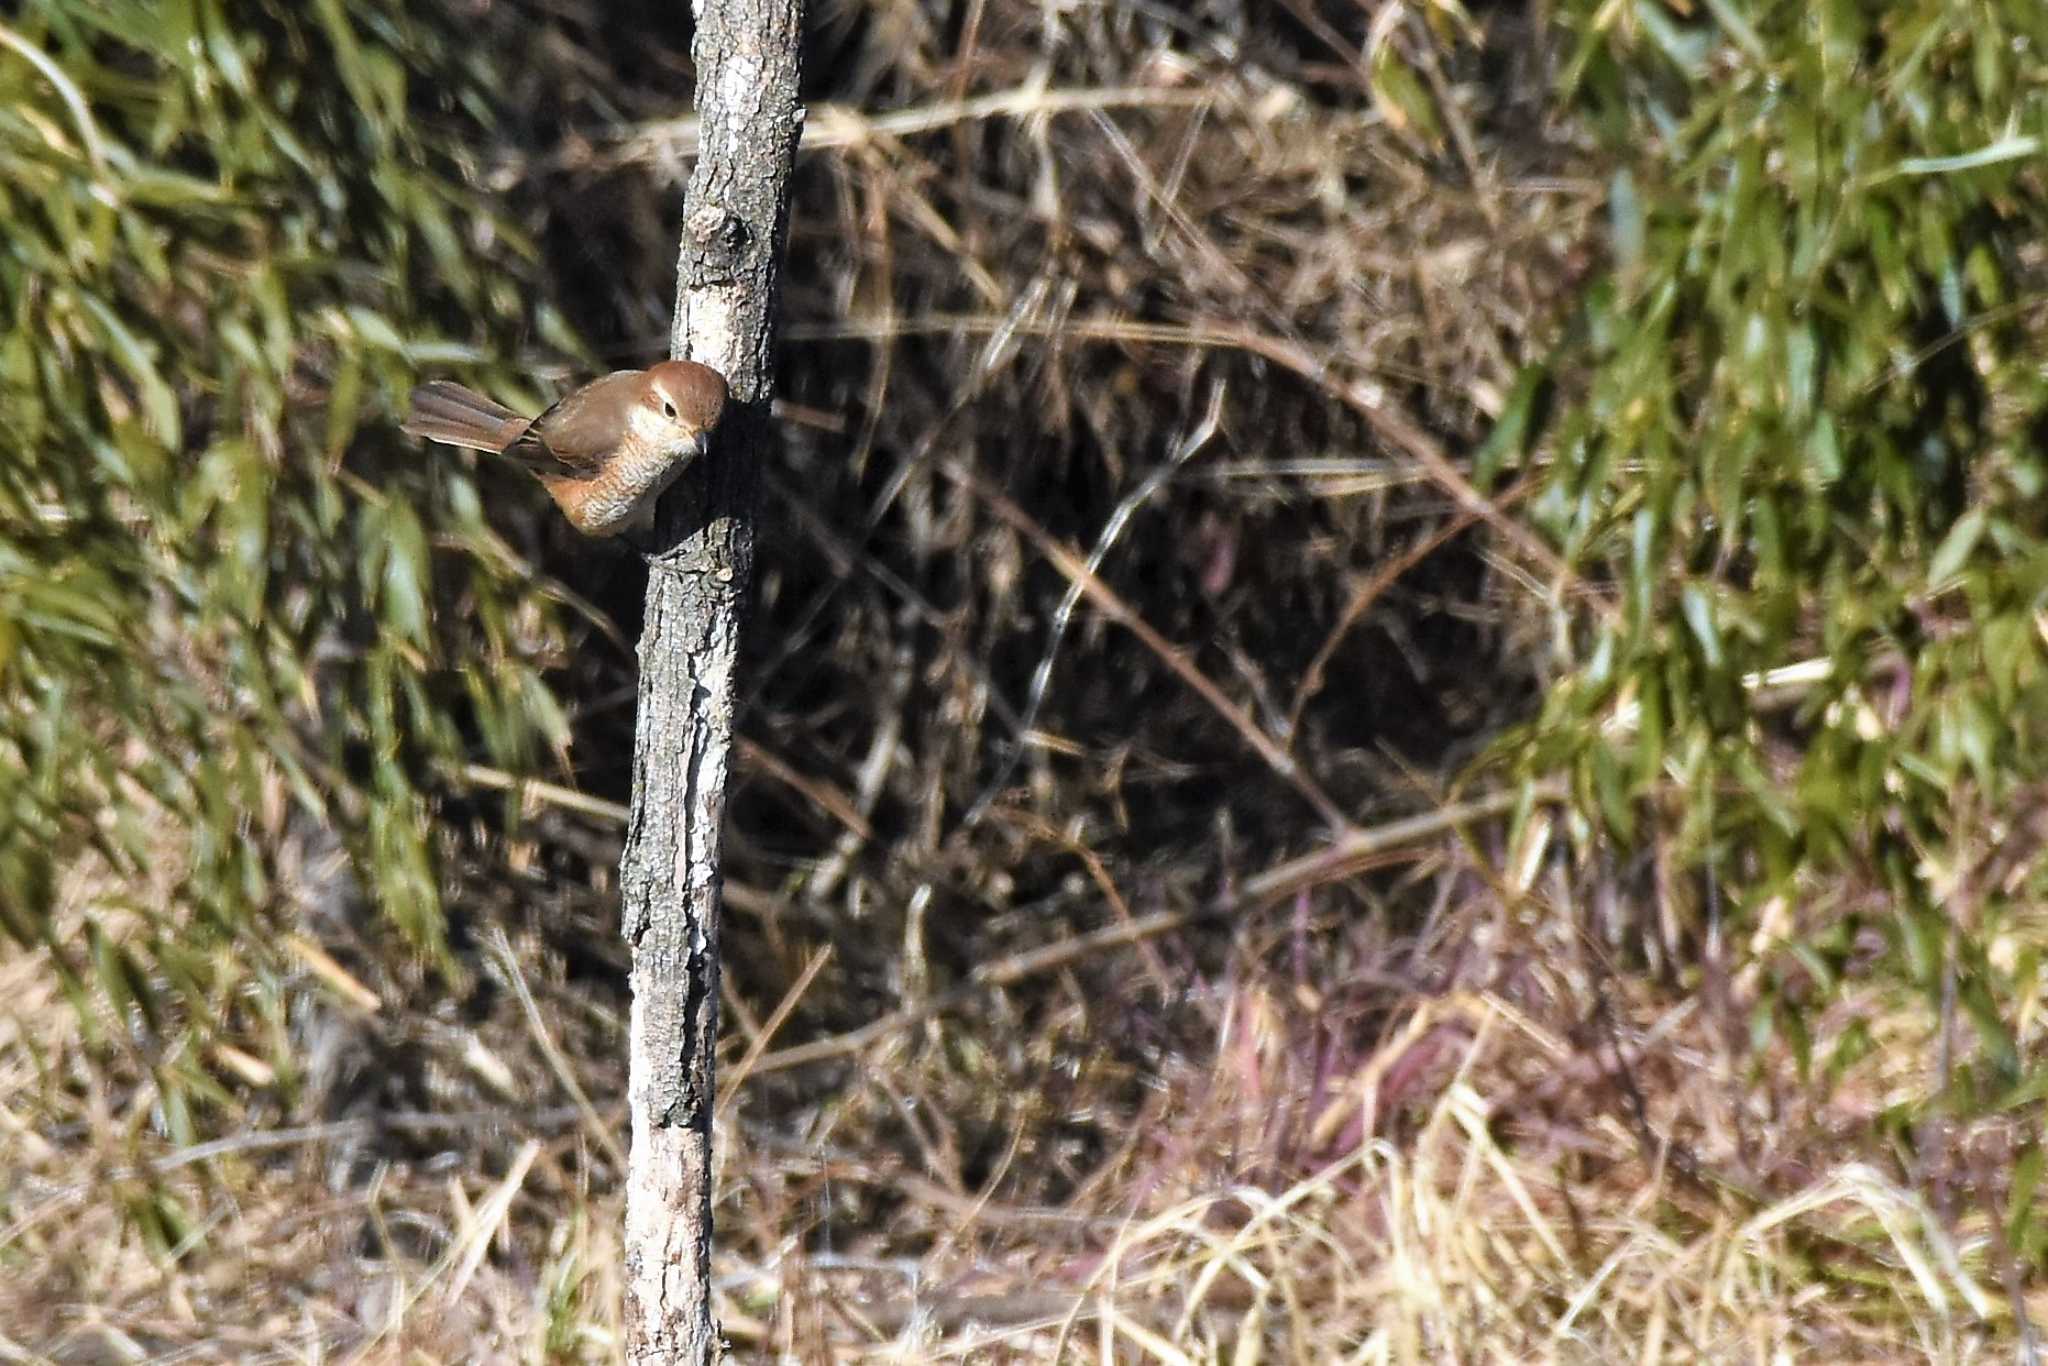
{"x":668,"y":409}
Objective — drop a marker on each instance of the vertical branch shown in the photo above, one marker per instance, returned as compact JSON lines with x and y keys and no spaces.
{"x":736,"y":212}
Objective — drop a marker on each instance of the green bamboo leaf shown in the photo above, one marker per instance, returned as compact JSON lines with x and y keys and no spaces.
{"x":1698,"y":607}
{"x":344,"y":406}
{"x":159,"y":404}
{"x":376,"y":330}
{"x":1955,"y":548}
{"x":2018,"y":147}
{"x":1402,"y":97}
{"x":2020,"y":1210}
{"x":407,"y":575}
{"x":1687,"y":48}
{"x":1627,"y":229}
{"x":1763,"y":1025}
{"x":543,"y":712}
{"x":1508,"y":443}
{"x":1737,"y":26}
{"x":1823,"y":452}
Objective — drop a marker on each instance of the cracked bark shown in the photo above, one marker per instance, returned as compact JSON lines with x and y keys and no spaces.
{"x":747,"y":55}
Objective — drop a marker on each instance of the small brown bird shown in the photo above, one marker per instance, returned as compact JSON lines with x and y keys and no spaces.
{"x":605,"y":453}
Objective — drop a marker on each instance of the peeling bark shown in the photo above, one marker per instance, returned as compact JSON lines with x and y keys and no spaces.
{"x":747,"y":55}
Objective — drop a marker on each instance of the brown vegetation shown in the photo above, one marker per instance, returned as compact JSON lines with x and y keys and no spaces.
{"x":1120,"y":962}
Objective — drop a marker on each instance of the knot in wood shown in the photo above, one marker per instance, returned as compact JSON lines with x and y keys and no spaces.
{"x":718,"y":233}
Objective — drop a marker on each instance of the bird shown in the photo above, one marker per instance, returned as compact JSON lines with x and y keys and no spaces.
{"x":605,"y":453}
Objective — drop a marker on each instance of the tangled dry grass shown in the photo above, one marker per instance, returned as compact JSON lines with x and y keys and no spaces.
{"x":1116,"y":969}
{"x":1348,"y":1144}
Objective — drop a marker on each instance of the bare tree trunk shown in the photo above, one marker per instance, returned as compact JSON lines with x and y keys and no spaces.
{"x":735,"y":221}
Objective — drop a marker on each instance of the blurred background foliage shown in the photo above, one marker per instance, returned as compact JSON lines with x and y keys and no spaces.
{"x":314,"y":743}
{"x":223,"y":610}
{"x":1801,"y":471}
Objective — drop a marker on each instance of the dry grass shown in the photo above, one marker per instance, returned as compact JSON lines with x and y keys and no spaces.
{"x":1113,"y":970}
{"x":1394,"y":1150}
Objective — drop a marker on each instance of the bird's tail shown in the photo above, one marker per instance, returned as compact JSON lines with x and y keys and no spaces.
{"x":445,"y":411}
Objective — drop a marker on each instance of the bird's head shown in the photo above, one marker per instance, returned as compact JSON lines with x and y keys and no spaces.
{"x":680,"y":402}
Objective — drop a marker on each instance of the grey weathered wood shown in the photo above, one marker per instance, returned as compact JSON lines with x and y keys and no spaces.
{"x":735,"y":219}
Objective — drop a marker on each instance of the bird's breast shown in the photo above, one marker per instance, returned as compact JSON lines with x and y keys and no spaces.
{"x":622,"y":492}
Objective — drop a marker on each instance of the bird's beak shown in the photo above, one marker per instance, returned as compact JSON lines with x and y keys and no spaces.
{"x":700,"y":444}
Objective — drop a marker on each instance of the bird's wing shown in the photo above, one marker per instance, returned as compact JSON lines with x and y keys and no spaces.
{"x":574,"y":437}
